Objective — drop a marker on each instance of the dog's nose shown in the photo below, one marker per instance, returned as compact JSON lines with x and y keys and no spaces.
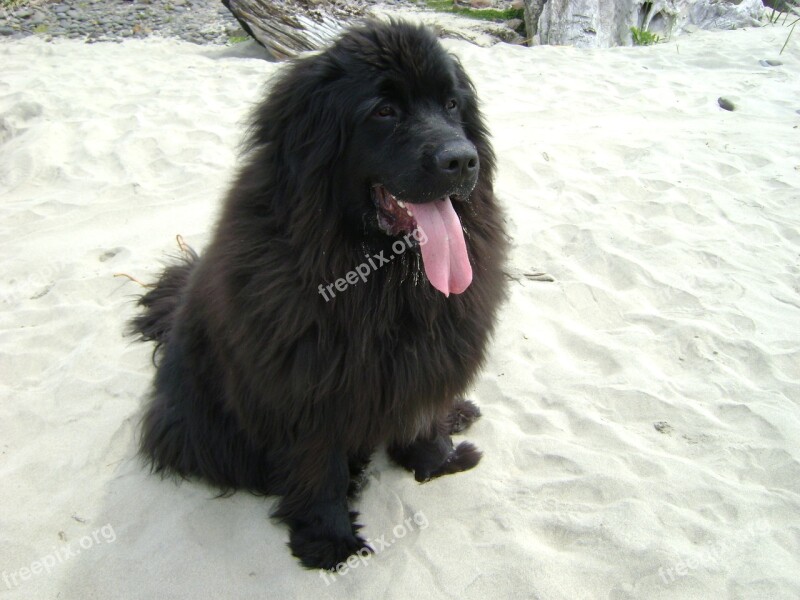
{"x":457,"y":160}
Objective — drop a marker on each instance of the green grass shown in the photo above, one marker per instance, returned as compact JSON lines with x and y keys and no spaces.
{"x":791,"y":31}
{"x":643,"y":38}
{"x":238,"y":39}
{"x":786,"y":8}
{"x":483,"y":14}
{"x":782,"y":7}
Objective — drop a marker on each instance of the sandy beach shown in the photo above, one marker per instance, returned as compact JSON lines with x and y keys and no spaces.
{"x":641,"y":402}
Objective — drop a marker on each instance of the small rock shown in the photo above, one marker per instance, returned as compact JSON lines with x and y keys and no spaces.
{"x":73,"y":14}
{"x":726,"y":104}
{"x":481,"y":3}
{"x":23,"y":13}
{"x":515,"y":24}
{"x":60,"y":8}
{"x":770,"y":63}
{"x":518,"y":4}
{"x":6,"y":31}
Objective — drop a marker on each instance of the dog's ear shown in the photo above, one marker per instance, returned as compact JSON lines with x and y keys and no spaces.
{"x":298,"y":124}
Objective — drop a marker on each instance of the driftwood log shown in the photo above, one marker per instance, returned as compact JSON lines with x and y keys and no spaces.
{"x":288,"y":27}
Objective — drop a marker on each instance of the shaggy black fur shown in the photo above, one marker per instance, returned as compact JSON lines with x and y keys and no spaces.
{"x":264,"y":385}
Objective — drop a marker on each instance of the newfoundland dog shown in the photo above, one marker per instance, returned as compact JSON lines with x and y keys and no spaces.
{"x":348,"y":293}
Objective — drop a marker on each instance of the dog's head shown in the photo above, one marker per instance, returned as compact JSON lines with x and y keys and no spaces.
{"x":382,"y":132}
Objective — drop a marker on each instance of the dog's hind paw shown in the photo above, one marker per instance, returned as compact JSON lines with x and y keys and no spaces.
{"x":462,"y":458}
{"x":463,"y":415}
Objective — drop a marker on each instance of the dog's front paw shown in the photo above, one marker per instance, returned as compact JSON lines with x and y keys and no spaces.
{"x":318,"y":550}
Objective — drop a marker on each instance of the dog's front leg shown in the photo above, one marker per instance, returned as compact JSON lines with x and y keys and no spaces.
{"x":322,"y":531}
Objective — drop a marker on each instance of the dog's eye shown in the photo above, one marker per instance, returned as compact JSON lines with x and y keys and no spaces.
{"x":385,"y":112}
{"x":452,"y":104}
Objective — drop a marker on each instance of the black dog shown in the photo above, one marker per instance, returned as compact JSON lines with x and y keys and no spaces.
{"x":347,"y":296}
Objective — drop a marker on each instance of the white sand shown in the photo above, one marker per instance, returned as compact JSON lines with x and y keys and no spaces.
{"x":671,"y":228}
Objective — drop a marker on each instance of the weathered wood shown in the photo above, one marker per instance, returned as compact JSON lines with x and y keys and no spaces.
{"x":287,"y":27}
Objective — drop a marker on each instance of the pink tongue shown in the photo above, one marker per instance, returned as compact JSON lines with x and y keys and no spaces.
{"x":445,"y":252}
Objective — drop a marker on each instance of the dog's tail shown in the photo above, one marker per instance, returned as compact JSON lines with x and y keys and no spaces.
{"x":160,"y":303}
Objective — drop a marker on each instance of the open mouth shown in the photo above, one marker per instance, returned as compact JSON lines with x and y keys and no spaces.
{"x":394,"y":215}
{"x":438,"y":229}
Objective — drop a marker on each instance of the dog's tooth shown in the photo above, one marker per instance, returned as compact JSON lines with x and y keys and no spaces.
{"x":401,"y":204}
{"x":408,"y":212}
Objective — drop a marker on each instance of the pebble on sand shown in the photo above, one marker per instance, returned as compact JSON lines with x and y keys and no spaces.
{"x":726,"y":104}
